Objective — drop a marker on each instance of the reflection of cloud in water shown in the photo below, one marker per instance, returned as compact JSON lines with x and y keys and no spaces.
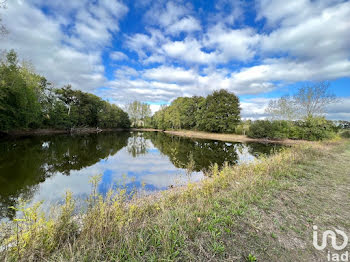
{"x":244,"y":155}
{"x":153,"y":169}
{"x":59,"y":163}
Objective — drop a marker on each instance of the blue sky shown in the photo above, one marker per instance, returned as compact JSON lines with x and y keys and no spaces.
{"x":155,"y":51}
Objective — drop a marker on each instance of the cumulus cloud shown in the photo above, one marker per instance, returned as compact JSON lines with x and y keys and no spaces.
{"x":254,"y":108}
{"x":180,"y":51}
{"x":238,"y":44}
{"x":188,"y":50}
{"x":302,"y":44}
{"x":186,"y":24}
{"x":170,"y":74}
{"x":339,"y":110}
{"x":172,"y":17}
{"x":117,"y":56}
{"x":63,"y":58}
{"x":319,"y":36}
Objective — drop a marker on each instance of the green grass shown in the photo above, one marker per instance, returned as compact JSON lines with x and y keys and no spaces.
{"x":253,"y":212}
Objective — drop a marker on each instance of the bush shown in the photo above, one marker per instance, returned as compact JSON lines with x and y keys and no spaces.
{"x":269,"y":129}
{"x":345,"y":134}
{"x":316,"y":128}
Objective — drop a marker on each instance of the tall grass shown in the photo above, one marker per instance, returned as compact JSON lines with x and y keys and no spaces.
{"x":193,"y":222}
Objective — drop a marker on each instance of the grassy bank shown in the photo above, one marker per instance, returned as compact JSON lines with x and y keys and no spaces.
{"x":229,"y":137}
{"x":263,"y":210}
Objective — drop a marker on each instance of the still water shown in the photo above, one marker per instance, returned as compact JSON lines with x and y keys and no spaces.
{"x":45,"y":167}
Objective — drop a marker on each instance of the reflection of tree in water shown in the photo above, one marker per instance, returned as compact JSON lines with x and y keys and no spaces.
{"x":77,"y":152}
{"x":205,"y":152}
{"x":26,"y":162}
{"x":137,"y":144}
{"x":257,"y":149}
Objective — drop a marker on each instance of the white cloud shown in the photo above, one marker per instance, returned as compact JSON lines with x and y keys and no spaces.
{"x":302,"y":34}
{"x":319,"y":36}
{"x":186,"y":24}
{"x":291,"y":12}
{"x":170,"y":74}
{"x":142,"y":43}
{"x":254,"y":108}
{"x":125,"y":72}
{"x":339,"y":110}
{"x":189,"y":51}
{"x":63,"y":59}
{"x":118,"y":56}
{"x":237,"y":44}
{"x":172,"y":17}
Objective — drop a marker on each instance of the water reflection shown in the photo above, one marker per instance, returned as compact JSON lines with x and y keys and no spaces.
{"x":43,"y":168}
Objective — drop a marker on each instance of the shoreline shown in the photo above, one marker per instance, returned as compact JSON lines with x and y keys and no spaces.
{"x":49,"y":131}
{"x":182,"y":133}
{"x":230,"y":137}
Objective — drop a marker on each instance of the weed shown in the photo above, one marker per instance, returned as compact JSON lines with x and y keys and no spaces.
{"x":251,"y":258}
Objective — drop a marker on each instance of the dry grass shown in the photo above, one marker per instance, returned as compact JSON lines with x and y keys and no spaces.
{"x":230,"y":137}
{"x":242,"y":212}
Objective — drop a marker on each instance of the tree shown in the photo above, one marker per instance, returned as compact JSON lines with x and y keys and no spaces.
{"x":27,"y":100}
{"x":19,"y":100}
{"x":184,"y":111}
{"x":219,"y":112}
{"x":310,"y":100}
{"x":138,"y":112}
{"x":158,"y":119}
{"x":282,"y":109}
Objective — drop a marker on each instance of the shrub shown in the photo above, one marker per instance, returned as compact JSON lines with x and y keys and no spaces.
{"x":269,"y":129}
{"x":345,"y":134}
{"x":316,"y":128}
{"x":260,"y":129}
{"x":313,"y":128}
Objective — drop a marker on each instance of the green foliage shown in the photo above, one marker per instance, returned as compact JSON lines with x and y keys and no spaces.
{"x":345,"y":134}
{"x":19,"y":95}
{"x":269,"y":129}
{"x":313,"y":128}
{"x":251,"y":258}
{"x":28,"y":101}
{"x":218,"y":112}
{"x":139,"y":113}
{"x":243,"y":127}
{"x":316,"y":128}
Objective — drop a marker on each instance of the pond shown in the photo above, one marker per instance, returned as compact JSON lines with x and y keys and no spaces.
{"x":45,"y":167}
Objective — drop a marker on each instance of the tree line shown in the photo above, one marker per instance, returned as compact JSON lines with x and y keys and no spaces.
{"x":300,"y":116}
{"x":218,"y":112}
{"x":28,"y":100}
